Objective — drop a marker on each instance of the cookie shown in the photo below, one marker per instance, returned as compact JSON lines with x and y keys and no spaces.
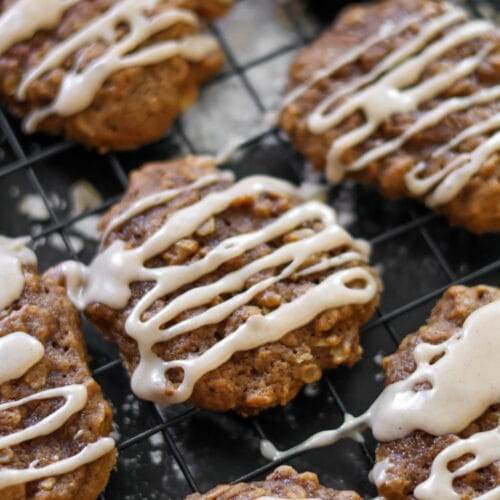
{"x":284,"y":483}
{"x":54,"y":421}
{"x":111,"y":74}
{"x":405,"y":465}
{"x":438,"y":418}
{"x":404,"y":95}
{"x":231,"y":295}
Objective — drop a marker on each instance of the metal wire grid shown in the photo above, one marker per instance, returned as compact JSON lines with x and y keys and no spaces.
{"x":15,"y":157}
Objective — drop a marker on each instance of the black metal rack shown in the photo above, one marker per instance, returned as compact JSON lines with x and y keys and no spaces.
{"x":168,"y":453}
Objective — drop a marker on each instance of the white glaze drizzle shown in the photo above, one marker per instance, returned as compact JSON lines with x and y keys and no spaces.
{"x":75,"y":399}
{"x":392,"y":60}
{"x":378,"y":474}
{"x":16,"y":362}
{"x":484,"y":446}
{"x":463,"y":374}
{"x":458,"y":172}
{"x":26,"y":17}
{"x":13,"y":255}
{"x":155,"y":199}
{"x":386,"y":30}
{"x":389,"y":89}
{"x":108,"y":279}
{"x":88,"y":454}
{"x":79,"y":86}
{"x":18,"y":353}
{"x":385,"y":98}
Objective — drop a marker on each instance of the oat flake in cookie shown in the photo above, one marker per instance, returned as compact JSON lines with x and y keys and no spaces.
{"x":112,"y":74}
{"x":282,"y":484}
{"x":55,"y":422}
{"x":404,"y":94}
{"x":232,"y":295}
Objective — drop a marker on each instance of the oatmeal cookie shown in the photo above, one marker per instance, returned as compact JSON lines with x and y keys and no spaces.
{"x":285,"y":482}
{"x":251,"y":293}
{"x":44,"y":373}
{"x":111,"y":74}
{"x":408,"y":461}
{"x":404,"y":95}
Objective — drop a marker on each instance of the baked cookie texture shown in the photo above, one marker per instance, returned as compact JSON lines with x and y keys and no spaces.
{"x":136,"y":105}
{"x":44,"y":312}
{"x":284,"y":482}
{"x":251,"y":380}
{"x":410,"y":458}
{"x":477,"y":205}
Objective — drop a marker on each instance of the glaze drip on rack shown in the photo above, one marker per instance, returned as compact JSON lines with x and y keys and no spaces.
{"x":19,"y":352}
{"x":108,"y":280}
{"x":79,"y":86}
{"x":462,"y":374}
{"x":392,"y":87}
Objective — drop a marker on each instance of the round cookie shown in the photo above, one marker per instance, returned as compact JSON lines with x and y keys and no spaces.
{"x":235,"y":323}
{"x":111,"y":74}
{"x":406,"y":463}
{"x":404,"y":95}
{"x":437,"y":420}
{"x":284,"y":483}
{"x":48,"y":449}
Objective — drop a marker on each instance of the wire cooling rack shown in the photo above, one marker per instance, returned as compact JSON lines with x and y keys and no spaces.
{"x":168,"y":453}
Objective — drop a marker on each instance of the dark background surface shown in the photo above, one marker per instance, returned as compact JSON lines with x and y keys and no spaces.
{"x":167,"y":453}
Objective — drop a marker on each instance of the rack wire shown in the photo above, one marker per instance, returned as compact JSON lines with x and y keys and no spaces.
{"x":167,"y":453}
